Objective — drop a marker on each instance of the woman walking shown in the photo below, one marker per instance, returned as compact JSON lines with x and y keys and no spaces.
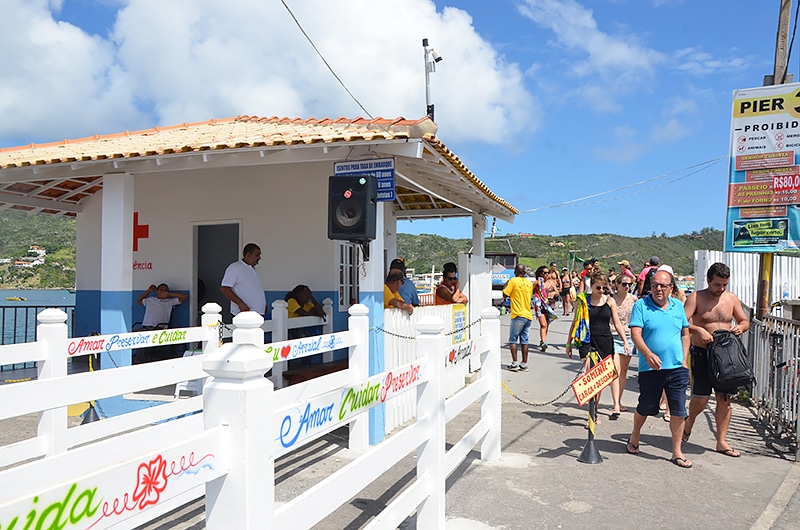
{"x":624,"y":300}
{"x":591,"y":327}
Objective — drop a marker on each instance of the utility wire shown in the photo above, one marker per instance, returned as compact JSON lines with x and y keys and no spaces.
{"x":574,"y":202}
{"x":326,"y":62}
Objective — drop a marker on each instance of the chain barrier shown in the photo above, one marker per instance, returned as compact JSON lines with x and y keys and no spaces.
{"x":3,"y":381}
{"x":449,"y":333}
{"x":581,"y":371}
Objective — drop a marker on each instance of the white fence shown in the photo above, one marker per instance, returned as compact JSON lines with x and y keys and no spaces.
{"x":225,"y":442}
{"x":400,"y":347}
{"x":279,"y":326}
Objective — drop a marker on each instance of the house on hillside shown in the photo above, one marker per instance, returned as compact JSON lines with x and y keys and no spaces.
{"x":176,"y":205}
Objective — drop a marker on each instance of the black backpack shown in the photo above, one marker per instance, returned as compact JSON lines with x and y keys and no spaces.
{"x":647,"y":280}
{"x":728,"y":365}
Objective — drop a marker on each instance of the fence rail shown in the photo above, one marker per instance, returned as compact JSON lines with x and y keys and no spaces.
{"x":774,"y":347}
{"x":18,"y":326}
{"x":128,"y":470}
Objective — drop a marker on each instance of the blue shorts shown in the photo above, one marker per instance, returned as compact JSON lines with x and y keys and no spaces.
{"x":619,"y":347}
{"x":518,"y":330}
{"x":674,"y":382}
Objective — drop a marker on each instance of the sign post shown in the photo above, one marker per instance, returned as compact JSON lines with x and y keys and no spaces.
{"x":587,"y":389}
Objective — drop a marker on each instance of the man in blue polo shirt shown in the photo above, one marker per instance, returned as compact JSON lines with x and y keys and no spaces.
{"x":660,"y":331}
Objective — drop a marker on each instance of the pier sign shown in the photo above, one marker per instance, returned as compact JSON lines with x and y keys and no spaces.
{"x":764,"y":172}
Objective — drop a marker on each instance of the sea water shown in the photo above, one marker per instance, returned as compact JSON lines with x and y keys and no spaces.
{"x":18,"y":317}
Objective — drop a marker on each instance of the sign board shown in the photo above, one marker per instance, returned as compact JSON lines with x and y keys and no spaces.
{"x":381,"y":168}
{"x":592,"y":382}
{"x":763,"y":209}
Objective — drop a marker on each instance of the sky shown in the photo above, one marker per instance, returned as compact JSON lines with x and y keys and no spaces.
{"x":588,"y":116}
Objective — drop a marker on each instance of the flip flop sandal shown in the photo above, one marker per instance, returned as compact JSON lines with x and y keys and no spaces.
{"x":631,"y":449}
{"x":685,"y":437}
{"x":681,"y":462}
{"x":733,"y":453}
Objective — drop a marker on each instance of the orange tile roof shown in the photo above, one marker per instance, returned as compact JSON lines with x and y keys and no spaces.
{"x":241,"y":132}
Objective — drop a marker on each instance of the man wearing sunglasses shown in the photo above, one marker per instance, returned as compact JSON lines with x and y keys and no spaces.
{"x":660,"y":332}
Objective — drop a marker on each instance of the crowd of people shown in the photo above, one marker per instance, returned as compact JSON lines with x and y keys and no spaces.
{"x":624,"y":314}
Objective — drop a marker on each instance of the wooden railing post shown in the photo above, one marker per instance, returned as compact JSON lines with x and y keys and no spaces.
{"x":280,"y":332}
{"x":52,"y":336}
{"x":327,"y":326}
{"x":430,"y":409}
{"x":359,"y":364}
{"x":212,"y":316}
{"x":238,"y":396}
{"x":491,"y":402}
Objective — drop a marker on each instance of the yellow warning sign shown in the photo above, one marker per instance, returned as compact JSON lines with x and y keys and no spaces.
{"x":592,"y":382}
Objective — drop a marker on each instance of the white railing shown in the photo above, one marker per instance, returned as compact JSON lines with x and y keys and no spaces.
{"x":773,"y":344}
{"x":280,"y":324}
{"x":127,"y":478}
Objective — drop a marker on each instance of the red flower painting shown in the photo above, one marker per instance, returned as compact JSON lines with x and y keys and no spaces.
{"x":151,"y":481}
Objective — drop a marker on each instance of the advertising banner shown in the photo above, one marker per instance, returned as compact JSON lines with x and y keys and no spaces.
{"x":764,"y":179}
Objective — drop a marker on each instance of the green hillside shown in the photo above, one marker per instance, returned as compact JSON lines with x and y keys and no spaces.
{"x":57,"y":235}
{"x":422,"y":251}
{"x":18,"y":232}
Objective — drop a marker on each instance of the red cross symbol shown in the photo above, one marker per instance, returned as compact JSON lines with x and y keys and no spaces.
{"x":139,"y":231}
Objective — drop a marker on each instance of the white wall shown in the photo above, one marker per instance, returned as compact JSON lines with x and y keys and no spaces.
{"x":282,"y":208}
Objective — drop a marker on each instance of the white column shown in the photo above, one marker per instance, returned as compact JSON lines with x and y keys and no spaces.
{"x":51,"y":335}
{"x":280,"y":332}
{"x":430,"y":405}
{"x":327,"y":327}
{"x":116,"y":268}
{"x":491,"y":403}
{"x":241,"y":398}
{"x":359,"y":364}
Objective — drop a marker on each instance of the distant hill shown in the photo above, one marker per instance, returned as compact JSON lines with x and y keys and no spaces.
{"x":423,"y":251}
{"x":18,"y":231}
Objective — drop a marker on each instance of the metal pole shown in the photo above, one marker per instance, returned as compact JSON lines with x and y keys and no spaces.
{"x":428,"y":104}
{"x":779,"y":76}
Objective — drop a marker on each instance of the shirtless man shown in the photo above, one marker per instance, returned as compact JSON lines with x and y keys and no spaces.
{"x":708,"y":310}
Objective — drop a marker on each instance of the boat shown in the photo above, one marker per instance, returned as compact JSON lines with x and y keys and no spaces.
{"x":16,"y":298}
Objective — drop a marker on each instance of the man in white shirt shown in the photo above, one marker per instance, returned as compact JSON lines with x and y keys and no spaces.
{"x":242,"y":285}
{"x":158,"y":308}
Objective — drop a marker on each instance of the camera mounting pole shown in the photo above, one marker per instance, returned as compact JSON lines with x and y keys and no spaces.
{"x":431,"y":58}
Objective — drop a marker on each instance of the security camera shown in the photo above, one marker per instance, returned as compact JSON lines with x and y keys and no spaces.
{"x":436,"y":57}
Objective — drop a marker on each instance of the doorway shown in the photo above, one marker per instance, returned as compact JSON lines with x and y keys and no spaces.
{"x":216,"y":247}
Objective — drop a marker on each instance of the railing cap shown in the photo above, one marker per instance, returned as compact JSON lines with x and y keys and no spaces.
{"x":51,"y":315}
{"x":211,"y":307}
{"x":358,"y":310}
{"x":430,"y":325}
{"x":237,"y":361}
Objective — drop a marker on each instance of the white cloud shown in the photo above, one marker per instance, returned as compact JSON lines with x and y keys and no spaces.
{"x":618,"y":59}
{"x":699,"y":63}
{"x":176,"y":61}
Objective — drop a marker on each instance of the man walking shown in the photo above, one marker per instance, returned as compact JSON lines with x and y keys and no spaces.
{"x":520,"y":290}
{"x":660,"y":331}
{"x":708,"y":310}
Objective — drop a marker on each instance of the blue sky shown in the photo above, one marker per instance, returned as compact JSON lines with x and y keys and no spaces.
{"x":588,"y":116}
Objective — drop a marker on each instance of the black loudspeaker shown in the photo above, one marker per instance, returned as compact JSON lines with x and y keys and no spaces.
{"x":352,"y":207}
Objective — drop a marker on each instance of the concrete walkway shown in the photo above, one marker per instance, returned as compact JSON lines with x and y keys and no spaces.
{"x":540,"y":484}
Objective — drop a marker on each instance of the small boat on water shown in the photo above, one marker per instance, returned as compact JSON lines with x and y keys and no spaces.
{"x":16,"y":298}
